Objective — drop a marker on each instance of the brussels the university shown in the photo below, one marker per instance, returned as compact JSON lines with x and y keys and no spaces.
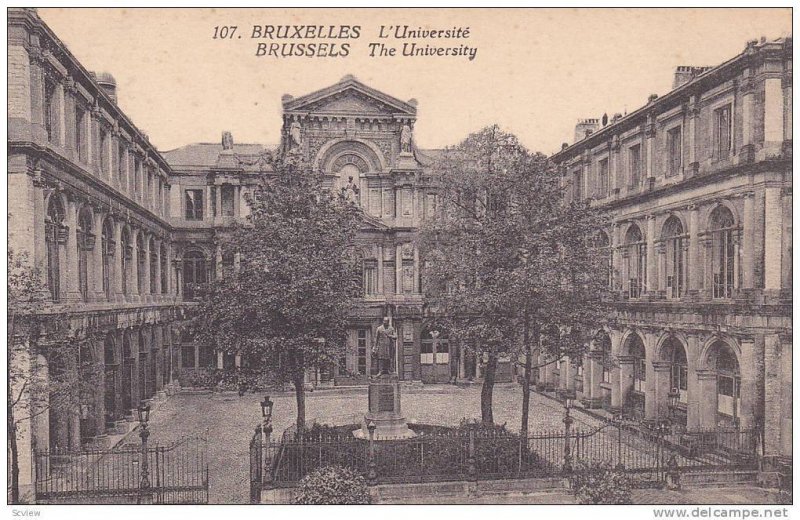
{"x":687,"y":383}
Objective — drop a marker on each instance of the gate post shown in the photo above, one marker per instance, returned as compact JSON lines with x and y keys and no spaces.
{"x":256,"y":466}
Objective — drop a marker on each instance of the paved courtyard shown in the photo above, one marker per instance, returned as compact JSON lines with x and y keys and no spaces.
{"x":229,"y":421}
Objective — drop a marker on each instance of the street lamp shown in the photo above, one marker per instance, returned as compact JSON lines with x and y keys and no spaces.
{"x":266,"y":413}
{"x":569,"y":400}
{"x":144,"y":416}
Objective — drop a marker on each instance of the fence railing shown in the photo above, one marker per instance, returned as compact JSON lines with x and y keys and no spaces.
{"x":491,"y":454}
{"x":177,"y":474}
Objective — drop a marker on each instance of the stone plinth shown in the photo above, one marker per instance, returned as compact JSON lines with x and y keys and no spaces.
{"x":384,"y":410}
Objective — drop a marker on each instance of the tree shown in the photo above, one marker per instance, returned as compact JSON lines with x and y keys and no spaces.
{"x":32,"y":329}
{"x":599,"y":483}
{"x":284,"y":307}
{"x":510,"y":265}
{"x":332,"y":485}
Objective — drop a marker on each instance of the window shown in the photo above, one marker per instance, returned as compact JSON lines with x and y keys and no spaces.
{"x":723,"y":252}
{"x":636,"y":250}
{"x":213,"y":201}
{"x":389,"y":279}
{"x":50,"y":111}
{"x":674,"y":159}
{"x":362,"y":351}
{"x":194,"y":275}
{"x":602,"y":179}
{"x":105,"y":164}
{"x":163,"y":259}
{"x":408,"y":276}
{"x":141,"y":264}
{"x":194,"y":204}
{"x":728,"y":381}
{"x":55,"y":235}
{"x":676,"y":257}
{"x":122,"y":164}
{"x":228,"y":192}
{"x":679,"y":371}
{"x":107,"y":243}
{"x":127,"y":254}
{"x":85,"y":244}
{"x":577,"y":186}
{"x":635,"y":166}
{"x":722,"y":131}
{"x":370,"y":277}
{"x":153,"y":267}
{"x":80,"y":132}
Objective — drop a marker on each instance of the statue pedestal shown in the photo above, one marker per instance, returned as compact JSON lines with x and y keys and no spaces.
{"x":406,"y":161}
{"x":384,"y":410}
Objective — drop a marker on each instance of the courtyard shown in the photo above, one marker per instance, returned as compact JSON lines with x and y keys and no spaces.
{"x":228,"y":421}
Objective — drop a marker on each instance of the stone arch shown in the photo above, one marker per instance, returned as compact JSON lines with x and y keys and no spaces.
{"x":707,"y":357}
{"x":715,"y":210}
{"x":365,"y":150}
{"x":674,"y":225}
{"x":663,"y":344}
{"x":626,"y":339}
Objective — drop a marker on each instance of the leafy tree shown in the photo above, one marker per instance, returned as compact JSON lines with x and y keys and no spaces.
{"x":35,"y":327}
{"x":284,"y":306}
{"x":510,"y":265}
{"x":332,"y":485}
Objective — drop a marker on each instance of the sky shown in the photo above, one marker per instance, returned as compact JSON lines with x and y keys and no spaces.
{"x":535,"y":72}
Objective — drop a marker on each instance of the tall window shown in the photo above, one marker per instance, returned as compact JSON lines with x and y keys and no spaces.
{"x":679,"y":369}
{"x":105,"y":164}
{"x":107,"y":243}
{"x":195,"y":274}
{"x":164,"y":274}
{"x":389,"y":278}
{"x":676,"y":257}
{"x":370,"y":277}
{"x":84,"y":246}
{"x":153,"y":267}
{"x":636,"y":249}
{"x":141,"y":263}
{"x":80,"y":132}
{"x":728,"y":381}
{"x":127,"y":256}
{"x":122,"y":165}
{"x":635,"y":166}
{"x":50,"y":110}
{"x":194,"y":204}
{"x":227,"y":200}
{"x":577,"y":186}
{"x":602,"y":179}
{"x":722,"y":131}
{"x":723,"y":252}
{"x":674,"y":151}
{"x":55,"y":235}
{"x":361,"y":351}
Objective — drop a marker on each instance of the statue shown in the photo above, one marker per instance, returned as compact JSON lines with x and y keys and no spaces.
{"x":351,"y":191}
{"x":295,"y":139}
{"x":405,"y":139}
{"x":227,"y":141}
{"x":385,"y":337}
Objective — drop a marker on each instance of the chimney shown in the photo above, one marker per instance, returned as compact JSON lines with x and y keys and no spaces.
{"x":107,"y":83}
{"x":686,"y":73}
{"x":585,"y":128}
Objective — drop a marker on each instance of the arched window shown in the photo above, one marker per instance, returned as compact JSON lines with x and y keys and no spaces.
{"x":195,"y":274}
{"x":153,"y":267}
{"x":127,"y":254}
{"x":728,"y":382}
{"x":675,"y":241}
{"x":679,"y":370}
{"x":84,"y":246}
{"x":163,"y":269}
{"x":55,"y":235}
{"x":636,"y":251}
{"x":141,"y":263}
{"x":723,"y":252}
{"x":107,"y":243}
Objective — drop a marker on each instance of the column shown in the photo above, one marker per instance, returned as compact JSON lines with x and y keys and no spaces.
{"x":564,"y":373}
{"x":218,"y":195}
{"x":71,"y":272}
{"x":706,"y":244}
{"x":96,"y":280}
{"x":661,"y":264}
{"x":692,"y":114}
{"x":748,"y":123}
{"x":694,"y":397}
{"x":380,"y":268}
{"x":157,"y":274}
{"x":220,"y":360}
{"x":237,"y":360}
{"x":785,"y":381}
{"x":694,"y":268}
{"x":616,"y":264}
{"x":625,"y":379}
{"x":207,"y":203}
{"x":146,"y":296}
{"x":596,"y":369}
{"x":569,"y":372}
{"x":652,"y":266}
{"x":616,"y":394}
{"x":707,"y":406}
{"x":236,"y":195}
{"x":649,"y":159}
{"x":773,"y":116}
{"x":661,"y":371}
{"x":773,"y":239}
{"x":133,"y":283}
{"x":218,"y":260}
{"x":749,"y":381}
{"x":398,"y":269}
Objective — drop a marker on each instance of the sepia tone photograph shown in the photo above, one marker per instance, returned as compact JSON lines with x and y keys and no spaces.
{"x":400,"y":256}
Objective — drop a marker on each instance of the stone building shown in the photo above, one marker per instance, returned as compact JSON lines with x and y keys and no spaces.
{"x":698,"y":183}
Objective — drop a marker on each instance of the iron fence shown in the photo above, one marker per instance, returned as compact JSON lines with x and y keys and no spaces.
{"x":489,"y":454}
{"x":177,"y":474}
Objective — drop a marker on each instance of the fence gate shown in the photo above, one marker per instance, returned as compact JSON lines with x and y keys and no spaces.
{"x":175,"y":474}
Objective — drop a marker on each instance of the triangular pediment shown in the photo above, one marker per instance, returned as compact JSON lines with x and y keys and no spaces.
{"x":349,"y":96}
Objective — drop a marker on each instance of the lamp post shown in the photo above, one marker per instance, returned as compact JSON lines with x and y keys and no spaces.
{"x":144,"y":483}
{"x":266,"y":413}
{"x":569,"y":399}
{"x":371,"y":474}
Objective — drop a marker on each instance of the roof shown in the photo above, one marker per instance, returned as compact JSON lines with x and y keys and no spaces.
{"x":348,"y":82}
{"x":206,"y":155}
